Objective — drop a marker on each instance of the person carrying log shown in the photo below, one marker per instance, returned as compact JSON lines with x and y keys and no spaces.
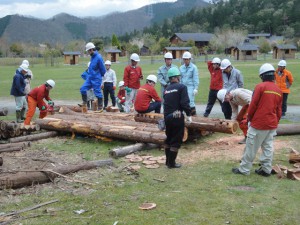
{"x":176,"y":100}
{"x":263,"y":115}
{"x":238,"y":97}
{"x":36,"y":99}
{"x":147,"y":99}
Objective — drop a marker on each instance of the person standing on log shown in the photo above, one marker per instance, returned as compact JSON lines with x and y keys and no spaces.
{"x":162,"y":73}
{"x":120,"y":99}
{"x":238,"y":97}
{"x":90,"y":93}
{"x":147,"y":99}
{"x":216,"y":84}
{"x":109,"y":84}
{"x":176,"y":100}
{"x":232,"y":79}
{"x":132,"y":76}
{"x":18,"y":91}
{"x":284,"y":80}
{"x":36,"y":99}
{"x":263,"y":115}
{"x":190,"y":78}
{"x":94,"y":80}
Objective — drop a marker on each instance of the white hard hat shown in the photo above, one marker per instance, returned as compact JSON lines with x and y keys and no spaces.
{"x":187,"y":55}
{"x":24,"y":67}
{"x":216,"y":60}
{"x":107,"y":62}
{"x":168,"y":55}
{"x":135,"y":57}
{"x":282,"y":63}
{"x":267,"y":67}
{"x":152,"y":77}
{"x":25,"y":61}
{"x":50,"y":83}
{"x":121,"y":83}
{"x":89,"y":46}
{"x":224,"y":64}
{"x":221,"y":95}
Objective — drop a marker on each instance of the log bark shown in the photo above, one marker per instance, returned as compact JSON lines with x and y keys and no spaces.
{"x":12,"y":149}
{"x":288,"y":129}
{"x":19,"y":144}
{"x":199,"y":123}
{"x":126,"y":150}
{"x":129,"y":133}
{"x":34,"y":137}
{"x":293,"y":174}
{"x":3,"y":111}
{"x":21,"y":179}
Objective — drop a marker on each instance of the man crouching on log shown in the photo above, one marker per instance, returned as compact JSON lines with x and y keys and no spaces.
{"x":176,"y":100}
{"x":36,"y":99}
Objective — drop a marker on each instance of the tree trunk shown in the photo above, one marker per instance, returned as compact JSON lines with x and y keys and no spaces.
{"x":288,"y":129}
{"x":19,"y":144}
{"x":34,"y":137}
{"x":12,"y":149}
{"x":21,"y":179}
{"x":3,"y":111}
{"x":126,"y":150}
{"x":199,"y":123}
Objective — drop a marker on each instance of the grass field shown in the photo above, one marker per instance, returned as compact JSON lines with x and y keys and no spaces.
{"x":68,"y":80}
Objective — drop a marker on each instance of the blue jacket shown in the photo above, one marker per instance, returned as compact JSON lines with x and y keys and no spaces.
{"x":189,"y":76}
{"x":85,"y":74}
{"x":18,"y":85}
{"x":97,"y":67}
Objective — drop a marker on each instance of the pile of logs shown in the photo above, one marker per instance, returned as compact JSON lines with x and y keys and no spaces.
{"x":13,"y":129}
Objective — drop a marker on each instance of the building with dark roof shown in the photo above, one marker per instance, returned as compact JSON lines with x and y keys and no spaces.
{"x":286,"y":51}
{"x":71,"y":58}
{"x":112,"y":54}
{"x":177,"y":52}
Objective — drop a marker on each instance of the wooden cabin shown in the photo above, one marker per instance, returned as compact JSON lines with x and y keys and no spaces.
{"x":287,"y":51}
{"x":113,"y":54}
{"x":177,"y":52}
{"x":71,"y":58}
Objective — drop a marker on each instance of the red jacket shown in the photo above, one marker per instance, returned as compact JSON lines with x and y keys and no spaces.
{"x":132,"y":77}
{"x":39,"y":94}
{"x":121,"y":96}
{"x":284,"y":81}
{"x":216,"y":81}
{"x":265,"y":108}
{"x":144,"y":96}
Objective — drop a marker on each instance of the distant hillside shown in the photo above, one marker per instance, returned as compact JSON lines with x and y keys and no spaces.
{"x":63,"y":28}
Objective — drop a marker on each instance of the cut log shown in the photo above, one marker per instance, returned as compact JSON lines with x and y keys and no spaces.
{"x":199,"y":123}
{"x":294,"y":156}
{"x":293,"y":174}
{"x":34,"y":137}
{"x":288,"y":129}
{"x":126,"y":150}
{"x":2,"y":125}
{"x":19,"y":144}
{"x":12,"y":149}
{"x":112,"y":109}
{"x":29,"y":128}
{"x":3,"y":111}
{"x":21,"y":179}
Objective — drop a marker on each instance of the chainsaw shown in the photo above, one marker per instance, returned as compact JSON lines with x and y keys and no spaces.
{"x":50,"y":109}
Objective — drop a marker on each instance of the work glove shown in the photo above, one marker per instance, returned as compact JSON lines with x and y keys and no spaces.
{"x":123,"y":98}
{"x":128,"y":90}
{"x":50,"y":102}
{"x":114,"y":87}
{"x":189,"y":119}
{"x":176,"y":114}
{"x":195,"y":92}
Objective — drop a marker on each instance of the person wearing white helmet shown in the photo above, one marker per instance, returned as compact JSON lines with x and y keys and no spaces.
{"x":96,"y":71}
{"x":90,"y":93}
{"x":263,"y":115}
{"x":109,"y":84}
{"x":162,"y":73}
{"x":18,"y":91}
{"x":28,"y":77}
{"x":216,"y":84}
{"x":232,"y":79}
{"x":147,"y":99}
{"x":36,"y":99}
{"x":120,"y":99}
{"x":284,"y":80}
{"x":132,"y":76}
{"x":190,"y":78}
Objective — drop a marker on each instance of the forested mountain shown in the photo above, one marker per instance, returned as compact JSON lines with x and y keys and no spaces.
{"x":63,"y":28}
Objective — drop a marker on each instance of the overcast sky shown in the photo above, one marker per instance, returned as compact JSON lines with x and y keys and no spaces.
{"x":45,"y":9}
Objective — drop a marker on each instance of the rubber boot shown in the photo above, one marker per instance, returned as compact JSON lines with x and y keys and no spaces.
{"x":172,"y":158}
{"x":100,"y":104}
{"x":193,"y":111}
{"x":18,"y":117}
{"x":84,"y":103}
{"x":89,"y":106}
{"x":167,"y":152}
{"x":23,"y":117}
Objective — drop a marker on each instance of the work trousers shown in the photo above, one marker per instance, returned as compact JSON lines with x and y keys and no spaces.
{"x":256,"y":139}
{"x":174,"y":131}
{"x":109,"y":90}
{"x":227,"y":110}
{"x":284,"y":102}
{"x":92,"y":82}
{"x":153,"y":106}
{"x":21,"y":103}
{"x":212,"y":97}
{"x":32,"y":104}
{"x":120,"y":105}
{"x":130,"y":99}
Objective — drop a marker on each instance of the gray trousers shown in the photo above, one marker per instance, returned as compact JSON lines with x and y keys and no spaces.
{"x":255,"y":140}
{"x":130,"y":99}
{"x":21,"y":103}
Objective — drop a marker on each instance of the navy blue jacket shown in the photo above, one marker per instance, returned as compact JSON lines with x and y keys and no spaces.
{"x":18,"y":85}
